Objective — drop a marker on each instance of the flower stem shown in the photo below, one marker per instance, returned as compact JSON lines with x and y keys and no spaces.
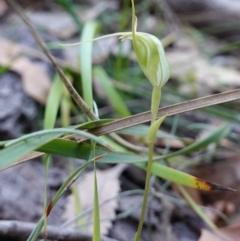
{"x":156,"y":97}
{"x":146,"y":191}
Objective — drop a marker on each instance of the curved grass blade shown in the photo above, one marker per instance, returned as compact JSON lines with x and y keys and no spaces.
{"x":88,"y":32}
{"x":69,"y":6}
{"x":17,"y":148}
{"x":50,"y":116}
{"x":82,"y":150}
{"x":34,"y":235}
{"x":184,"y":178}
{"x":222,"y":131}
{"x":142,"y":131}
{"x":53,"y":102}
{"x":74,"y":149}
{"x":196,"y":207}
{"x":96,"y":223}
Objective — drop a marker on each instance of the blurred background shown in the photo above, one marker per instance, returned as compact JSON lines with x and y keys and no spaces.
{"x":201,"y":40}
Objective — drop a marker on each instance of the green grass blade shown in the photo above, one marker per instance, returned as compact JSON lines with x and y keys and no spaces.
{"x":222,"y":131}
{"x":82,"y":151}
{"x":88,"y":32}
{"x":197,"y":208}
{"x":96,"y":224}
{"x":53,"y":102}
{"x":34,"y":235}
{"x":182,"y":178}
{"x":18,"y":148}
{"x":69,"y":6}
{"x":46,"y":164}
{"x":111,"y":93}
{"x":76,"y":150}
{"x":50,"y":116}
{"x":142,"y":131}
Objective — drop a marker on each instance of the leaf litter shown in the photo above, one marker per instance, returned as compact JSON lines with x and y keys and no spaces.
{"x":108,"y":188}
{"x":230,"y":233}
{"x":189,"y":63}
{"x":35,"y":80}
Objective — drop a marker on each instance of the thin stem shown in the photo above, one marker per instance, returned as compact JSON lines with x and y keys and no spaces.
{"x":146,"y":191}
{"x":98,"y":38}
{"x":156,"y":98}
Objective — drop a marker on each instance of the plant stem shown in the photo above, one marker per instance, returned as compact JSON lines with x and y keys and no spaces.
{"x":156,"y":97}
{"x":146,"y":191}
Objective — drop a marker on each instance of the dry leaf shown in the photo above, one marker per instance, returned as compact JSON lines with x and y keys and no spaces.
{"x":195,"y":194}
{"x":231,"y":233}
{"x":3,"y":7}
{"x":173,"y":143}
{"x":226,"y":172}
{"x":60,"y":24}
{"x":96,"y":9}
{"x":220,"y":206}
{"x":36,"y":82}
{"x":187,"y":60}
{"x":108,"y":187}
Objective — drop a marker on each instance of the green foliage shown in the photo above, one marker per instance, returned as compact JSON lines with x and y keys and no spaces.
{"x":15,"y":149}
{"x":112,"y":94}
{"x":152,"y":60}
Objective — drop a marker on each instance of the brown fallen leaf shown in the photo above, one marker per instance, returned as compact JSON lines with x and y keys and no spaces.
{"x":173,"y":143}
{"x":188,"y":63}
{"x":108,"y":187}
{"x":220,"y":206}
{"x":36,"y":82}
{"x":61,"y":24}
{"x":226,"y":172}
{"x":3,"y":7}
{"x":230,"y":233}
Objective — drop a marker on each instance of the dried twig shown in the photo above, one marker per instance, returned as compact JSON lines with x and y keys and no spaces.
{"x":22,"y":230}
{"x":168,"y":110}
{"x":78,"y":99}
{"x":146,"y":116}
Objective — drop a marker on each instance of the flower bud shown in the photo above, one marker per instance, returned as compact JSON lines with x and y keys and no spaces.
{"x":151,"y":57}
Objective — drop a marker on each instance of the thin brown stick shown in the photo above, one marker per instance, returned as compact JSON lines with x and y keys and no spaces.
{"x":16,"y":229}
{"x":168,"y":110}
{"x":146,"y":116}
{"x":78,"y":99}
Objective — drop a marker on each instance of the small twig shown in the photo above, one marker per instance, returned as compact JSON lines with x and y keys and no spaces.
{"x":146,"y":116}
{"x":78,"y":99}
{"x":170,"y":110}
{"x":22,"y":230}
